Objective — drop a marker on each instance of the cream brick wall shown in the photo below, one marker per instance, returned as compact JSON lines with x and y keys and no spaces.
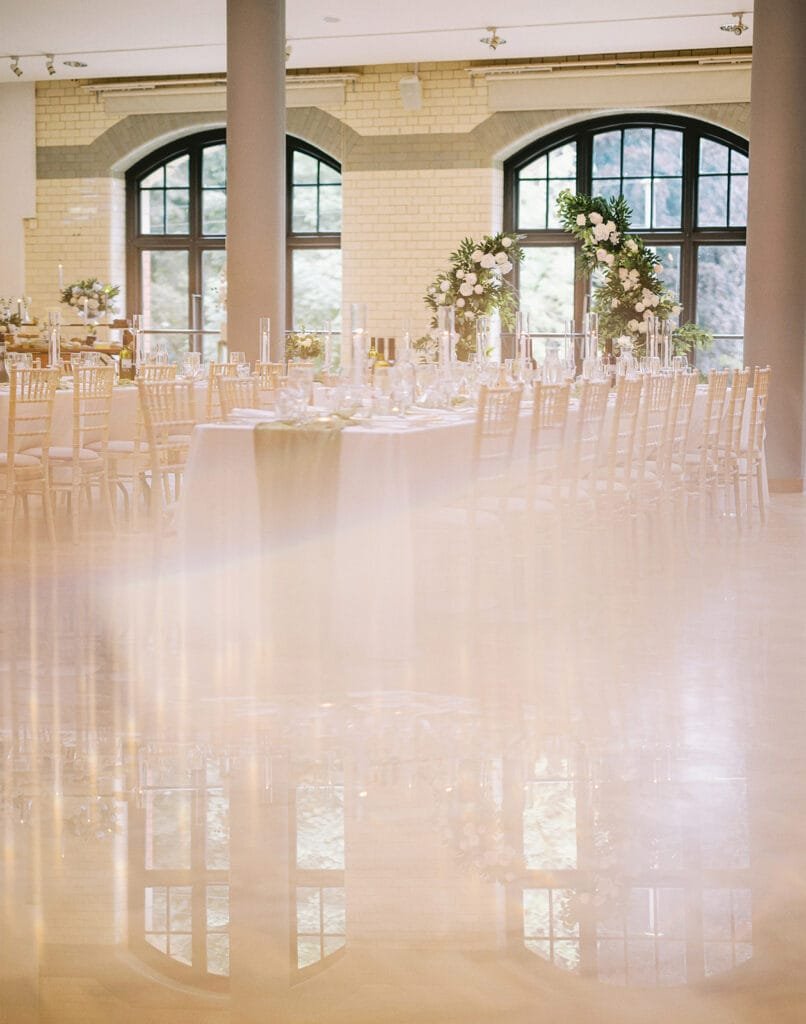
{"x":80,"y":223}
{"x":399,"y":229}
{"x":452,"y":101}
{"x":69,"y":116}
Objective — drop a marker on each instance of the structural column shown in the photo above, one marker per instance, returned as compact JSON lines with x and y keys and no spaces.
{"x":775,"y":324}
{"x":256,"y":225}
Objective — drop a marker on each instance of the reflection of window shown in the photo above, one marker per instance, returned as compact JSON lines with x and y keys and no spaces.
{"x":181,"y":911}
{"x":320,"y":919}
{"x":634,"y":873}
{"x":686,"y":183}
{"x":177,"y":225}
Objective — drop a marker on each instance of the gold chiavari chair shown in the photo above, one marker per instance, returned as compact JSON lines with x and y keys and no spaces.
{"x":547,"y":432}
{"x":74,"y":469}
{"x":615,"y":474}
{"x":702,"y":463}
{"x":582,"y":452}
{"x":652,"y":440}
{"x":24,"y":468}
{"x":213,"y":403}
{"x":671,"y":466}
{"x":730,"y":439}
{"x":269,"y":378}
{"x":237,"y":393}
{"x":169,"y":416}
{"x":128,"y":459}
{"x":751,"y":454}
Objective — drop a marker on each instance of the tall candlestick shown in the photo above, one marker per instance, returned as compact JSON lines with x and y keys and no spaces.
{"x":61,"y":279}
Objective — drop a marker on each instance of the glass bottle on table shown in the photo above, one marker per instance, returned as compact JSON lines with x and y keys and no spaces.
{"x":127,"y":368}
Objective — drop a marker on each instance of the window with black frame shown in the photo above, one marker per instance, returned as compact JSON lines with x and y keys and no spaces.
{"x":686,"y":184}
{"x":176,"y":239}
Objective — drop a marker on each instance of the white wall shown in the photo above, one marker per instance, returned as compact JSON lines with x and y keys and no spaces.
{"x":17,"y":181}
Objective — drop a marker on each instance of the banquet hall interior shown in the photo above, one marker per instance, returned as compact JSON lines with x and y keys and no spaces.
{"x":403,"y":555}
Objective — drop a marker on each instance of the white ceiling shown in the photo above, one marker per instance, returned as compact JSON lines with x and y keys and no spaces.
{"x":118,"y":38}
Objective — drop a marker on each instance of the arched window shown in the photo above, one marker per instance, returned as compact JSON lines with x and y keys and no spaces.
{"x":686,"y":183}
{"x":176,"y":233}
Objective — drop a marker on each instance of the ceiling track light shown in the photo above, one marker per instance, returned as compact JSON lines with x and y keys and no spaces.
{"x":15,"y":66}
{"x":493,"y":40}
{"x":739,"y":25}
{"x":49,"y":64}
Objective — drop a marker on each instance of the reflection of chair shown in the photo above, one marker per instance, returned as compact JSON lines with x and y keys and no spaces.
{"x":169,"y":415}
{"x":494,"y":436}
{"x":547,"y":433}
{"x":30,"y":412}
{"x":652,"y":440}
{"x":76,"y":468}
{"x":751,"y":455}
{"x":671,"y":465}
{"x":614,"y":477}
{"x":581,"y":456}
{"x":237,"y":393}
{"x":213,"y":404}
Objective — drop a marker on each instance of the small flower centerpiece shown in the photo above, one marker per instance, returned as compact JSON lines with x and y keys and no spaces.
{"x":91,"y":298}
{"x":303,"y":345}
{"x":475,"y":285}
{"x":628,"y":289}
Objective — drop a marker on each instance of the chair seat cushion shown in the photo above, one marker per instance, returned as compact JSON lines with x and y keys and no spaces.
{"x":114,"y":447}
{"x":65,"y":454}
{"x":21,"y":460}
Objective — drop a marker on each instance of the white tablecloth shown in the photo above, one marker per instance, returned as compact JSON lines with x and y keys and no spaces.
{"x":122,"y":421}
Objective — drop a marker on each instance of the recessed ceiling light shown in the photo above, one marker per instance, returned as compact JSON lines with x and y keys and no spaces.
{"x":74,"y":63}
{"x":330,"y":19}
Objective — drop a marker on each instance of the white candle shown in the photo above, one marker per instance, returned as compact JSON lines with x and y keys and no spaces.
{"x":61,"y":278}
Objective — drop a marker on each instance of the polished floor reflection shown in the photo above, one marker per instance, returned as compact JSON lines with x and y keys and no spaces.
{"x":572,"y":791}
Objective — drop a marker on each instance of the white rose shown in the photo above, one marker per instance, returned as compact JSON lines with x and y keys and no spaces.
{"x":632,"y":325}
{"x":601,"y":255}
{"x":642,"y":328}
{"x":614,"y":237}
{"x":465,"y":288}
{"x":506,"y":242}
{"x":506,"y":267}
{"x":460,"y":274}
{"x":676,"y":310}
{"x":632,"y":245}
{"x":610,"y":226}
{"x":478,"y":289}
{"x":445,"y":286}
{"x":488,"y":261}
{"x":639,"y":307}
{"x":470,"y":315}
{"x":595,"y":218}
{"x":622,"y":273}
{"x":610,"y":259}
{"x":581,"y":220}
{"x":97,"y":286}
{"x":477,"y":255}
{"x":431,"y":291}
{"x":460,"y":303}
{"x":500,"y":257}
{"x":471,"y":278}
{"x":647,"y":314}
{"x":93,"y":304}
{"x":614,"y":303}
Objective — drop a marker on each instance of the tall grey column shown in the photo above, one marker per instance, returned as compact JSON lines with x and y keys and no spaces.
{"x":775,"y":323}
{"x":256,"y":172}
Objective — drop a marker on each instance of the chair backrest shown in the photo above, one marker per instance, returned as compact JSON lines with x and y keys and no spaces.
{"x":618,"y":456}
{"x":156,"y":371}
{"x":269,"y":375}
{"x":758,"y":409}
{"x":92,"y":404}
{"x":714,"y":410}
{"x":653,"y":424}
{"x":30,"y":409}
{"x":582,"y":454}
{"x":547,"y":432}
{"x":237,"y":393}
{"x":731,"y":428}
{"x":494,"y":437}
{"x":683,"y":391}
{"x":169,"y":413}
{"x":213,"y":404}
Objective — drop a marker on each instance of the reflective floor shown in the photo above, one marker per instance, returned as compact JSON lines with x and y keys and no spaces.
{"x":575,"y":793}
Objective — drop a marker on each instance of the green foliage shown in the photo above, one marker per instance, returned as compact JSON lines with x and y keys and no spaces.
{"x":475,"y":286}
{"x":690,"y":336}
{"x":304,"y":345}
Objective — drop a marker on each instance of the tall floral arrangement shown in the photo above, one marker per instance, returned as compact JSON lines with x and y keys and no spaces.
{"x":630,"y":289}
{"x":476,"y":285}
{"x":100,"y":298}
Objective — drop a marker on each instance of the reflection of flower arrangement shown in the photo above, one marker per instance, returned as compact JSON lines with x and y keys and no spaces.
{"x":99,"y":297}
{"x":9,"y":319}
{"x":475,"y":286}
{"x":427,"y":346}
{"x":304,"y":345}
{"x":473,"y":829}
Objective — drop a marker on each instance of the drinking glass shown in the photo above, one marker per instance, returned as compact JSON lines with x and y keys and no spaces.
{"x":237,"y":357}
